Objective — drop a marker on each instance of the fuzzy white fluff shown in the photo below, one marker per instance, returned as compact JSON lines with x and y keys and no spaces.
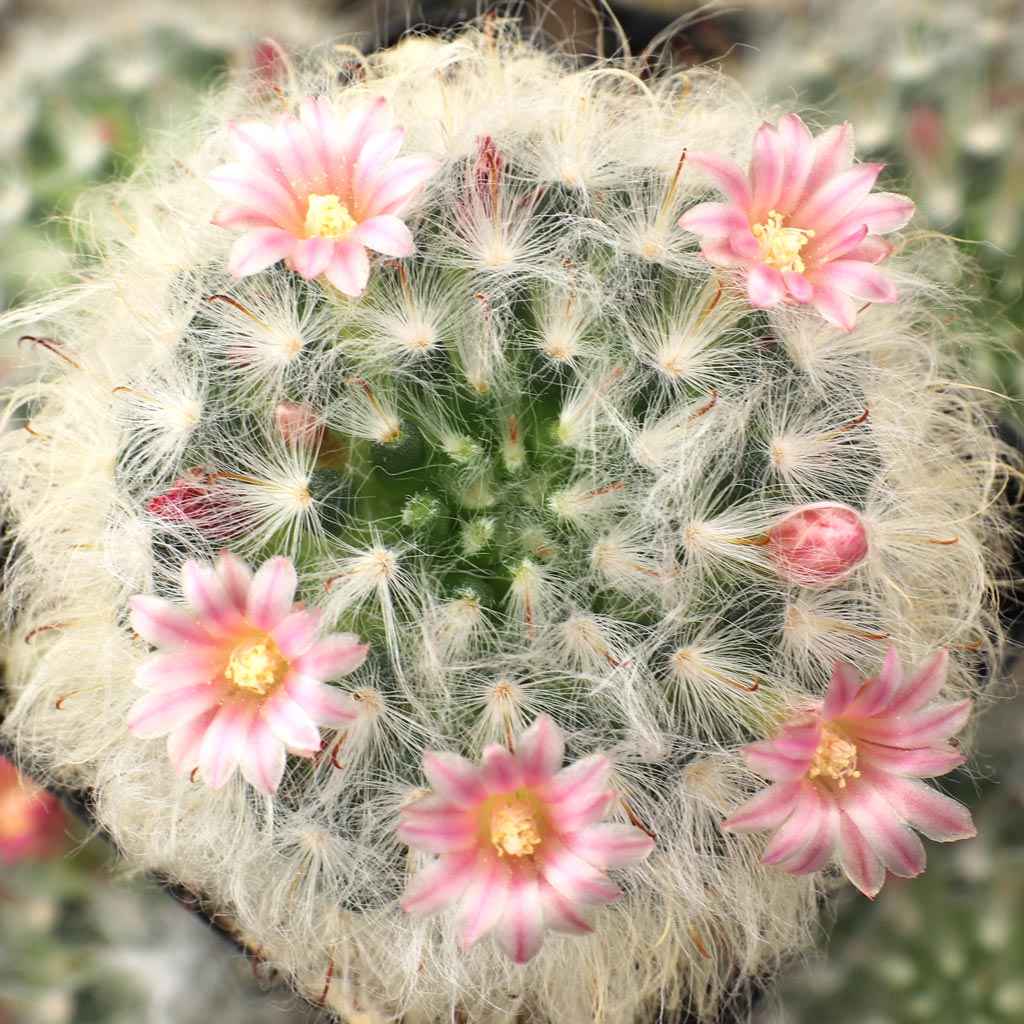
{"x":636,"y":621}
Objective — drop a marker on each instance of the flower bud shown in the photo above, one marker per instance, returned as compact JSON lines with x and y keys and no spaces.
{"x":819,"y":544}
{"x":299,"y":425}
{"x":32,"y":822}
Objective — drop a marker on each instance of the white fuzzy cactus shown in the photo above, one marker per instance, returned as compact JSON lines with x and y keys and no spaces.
{"x":549,"y":462}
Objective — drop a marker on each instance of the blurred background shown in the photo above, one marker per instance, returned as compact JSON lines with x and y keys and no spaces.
{"x":934,"y":88}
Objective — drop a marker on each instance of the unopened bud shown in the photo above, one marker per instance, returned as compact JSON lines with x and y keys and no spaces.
{"x":818,"y":545}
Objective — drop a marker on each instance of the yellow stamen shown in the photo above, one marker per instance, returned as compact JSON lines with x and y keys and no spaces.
{"x":514,"y":828}
{"x":835,"y":758}
{"x":780,"y":247}
{"x":328,"y":217}
{"x":256,"y":665}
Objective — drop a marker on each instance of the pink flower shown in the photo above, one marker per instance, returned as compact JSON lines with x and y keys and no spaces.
{"x":238,"y":676}
{"x":801,"y":225}
{"x":318,"y":192}
{"x":521,"y":844}
{"x":846,"y":775}
{"x":819,"y":544}
{"x":32,"y":823}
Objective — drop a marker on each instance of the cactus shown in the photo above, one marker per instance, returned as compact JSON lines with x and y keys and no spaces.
{"x":604,"y":507}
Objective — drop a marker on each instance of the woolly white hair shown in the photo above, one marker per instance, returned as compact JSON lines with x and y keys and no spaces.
{"x":599,"y":429}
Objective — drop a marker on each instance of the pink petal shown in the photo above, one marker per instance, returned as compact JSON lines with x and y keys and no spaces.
{"x":386,"y":234}
{"x":726,"y":175}
{"x":262,"y":758}
{"x":840,"y":241}
{"x":540,"y":751}
{"x":872,"y":249}
{"x":836,"y":307}
{"x":297,"y":632}
{"x":746,"y":246}
{"x":897,"y":846}
{"x":878,"y":692}
{"x":858,"y":860}
{"x":439,"y":884}
{"x":932,"y":813}
{"x":922,"y":685}
{"x":241,"y":217}
{"x":297,"y":158}
{"x":157,"y":714}
{"x":324,"y":704}
{"x":576,"y":880}
{"x":253,"y":141}
{"x":580,"y":780}
{"x":224,"y":742}
{"x":715,"y":219}
{"x":786,"y":757}
{"x":258,"y":249}
{"x":184,"y":742}
{"x":767,"y":171}
{"x":862,"y":280}
{"x":205,"y":592}
{"x":794,"y":835}
{"x":272,"y":593}
{"x":375,"y":158}
{"x":166,"y":624}
{"x":833,"y":152}
{"x":836,"y":197}
{"x":720,"y":252}
{"x":454,"y":778}
{"x":798,"y":148}
{"x":441,"y":830}
{"x":499,"y":770}
{"x":291,"y":723}
{"x":337,"y":654}
{"x":842,"y":688}
{"x":362,"y":122}
{"x":821,"y":844}
{"x":236,"y":577}
{"x":310,"y":257}
{"x":245,"y":185}
{"x":172,"y":671}
{"x":320,"y":120}
{"x":610,"y":845}
{"x":402,"y":184}
{"x":798,"y":286}
{"x":561,"y":915}
{"x":884,"y":211}
{"x":483,"y":902}
{"x":349,"y":269}
{"x":920,"y":762}
{"x":764,"y":286}
{"x":934,"y":724}
{"x":766,"y":809}
{"x":571,"y":815}
{"x":520,"y":929}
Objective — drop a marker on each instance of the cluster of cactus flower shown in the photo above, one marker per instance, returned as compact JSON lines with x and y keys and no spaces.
{"x":591,"y":531}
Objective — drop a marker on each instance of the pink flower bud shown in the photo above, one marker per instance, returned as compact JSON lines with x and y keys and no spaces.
{"x":199,"y":501}
{"x":818,"y":545}
{"x":299,"y":425}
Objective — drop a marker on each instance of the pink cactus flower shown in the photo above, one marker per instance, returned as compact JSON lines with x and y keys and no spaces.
{"x":238,"y":677}
{"x":819,"y":544}
{"x":521,"y":844}
{"x":846,"y":775}
{"x":32,"y":823}
{"x":318,"y":192}
{"x":801,"y":226}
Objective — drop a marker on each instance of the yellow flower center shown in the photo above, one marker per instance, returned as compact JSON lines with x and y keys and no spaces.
{"x":328,"y":217}
{"x":256,"y":665}
{"x":780,"y":247}
{"x":835,"y":758}
{"x":514,"y":828}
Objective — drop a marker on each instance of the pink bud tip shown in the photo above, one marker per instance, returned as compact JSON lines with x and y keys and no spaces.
{"x":818,"y":545}
{"x":299,"y":425}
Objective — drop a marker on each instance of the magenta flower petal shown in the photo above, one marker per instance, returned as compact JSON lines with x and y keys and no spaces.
{"x":291,"y":723}
{"x":801,"y":207}
{"x":520,"y":930}
{"x":222,"y":688}
{"x":334,"y":656}
{"x":726,"y":174}
{"x":386,"y":234}
{"x":518,"y":846}
{"x":262,"y":759}
{"x":858,"y":860}
{"x":318,"y":192}
{"x":156,"y":714}
{"x":258,"y":249}
{"x":858,"y":780}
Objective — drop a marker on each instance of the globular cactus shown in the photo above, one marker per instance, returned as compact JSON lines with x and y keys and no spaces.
{"x":604,"y":507}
